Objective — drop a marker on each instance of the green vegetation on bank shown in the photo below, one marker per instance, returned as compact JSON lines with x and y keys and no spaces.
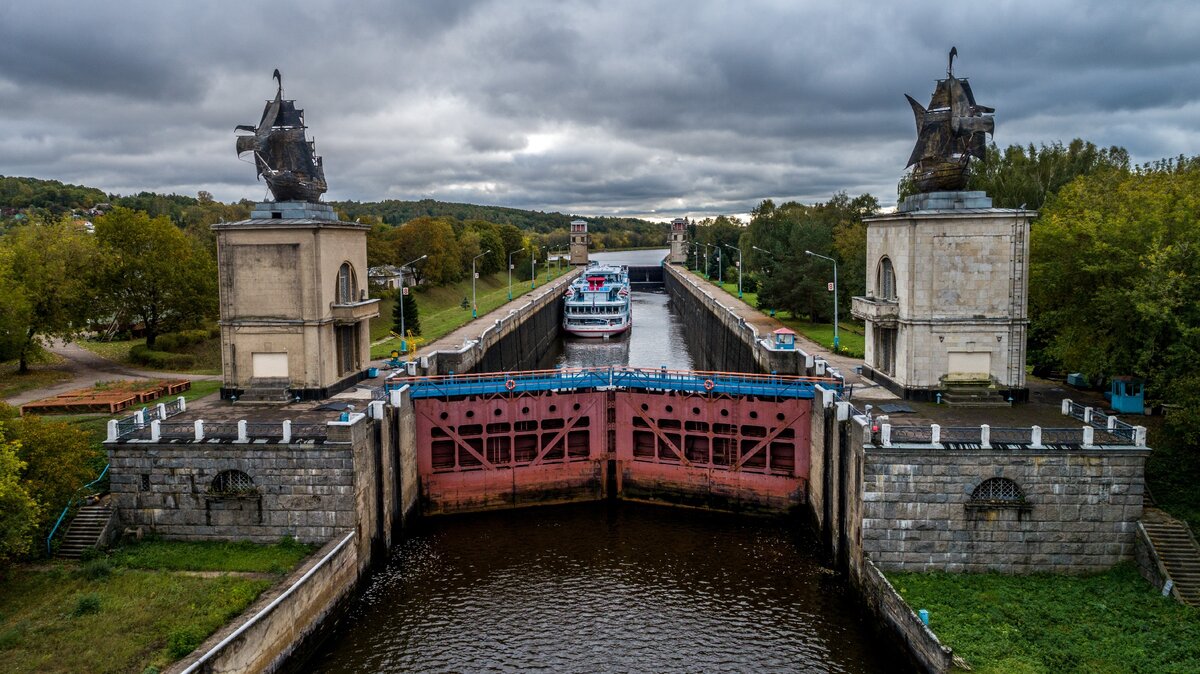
{"x":143,"y":605}
{"x":441,"y":306}
{"x":187,"y":352}
{"x":1107,"y":622}
{"x":13,"y":382}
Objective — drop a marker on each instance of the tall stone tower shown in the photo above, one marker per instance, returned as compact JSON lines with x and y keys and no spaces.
{"x":294,"y":307}
{"x":947,"y":274}
{"x":579,"y":242}
{"x":678,"y":241}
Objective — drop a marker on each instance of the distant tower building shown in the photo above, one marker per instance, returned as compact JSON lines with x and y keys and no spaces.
{"x":294,"y":307}
{"x":579,"y":242}
{"x":678,"y":241}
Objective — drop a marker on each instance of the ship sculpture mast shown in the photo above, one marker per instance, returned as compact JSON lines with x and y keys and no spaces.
{"x":952,"y":130}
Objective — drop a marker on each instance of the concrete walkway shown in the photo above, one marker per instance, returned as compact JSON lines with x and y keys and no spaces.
{"x":87,"y":368}
{"x":864,"y":389}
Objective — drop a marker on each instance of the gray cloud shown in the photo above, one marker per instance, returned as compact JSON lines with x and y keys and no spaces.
{"x":619,"y":107}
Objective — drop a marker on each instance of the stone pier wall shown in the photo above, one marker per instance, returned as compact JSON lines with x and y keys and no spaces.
{"x":717,"y":337}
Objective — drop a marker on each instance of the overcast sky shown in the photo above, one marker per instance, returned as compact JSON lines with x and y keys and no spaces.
{"x":595,"y":108}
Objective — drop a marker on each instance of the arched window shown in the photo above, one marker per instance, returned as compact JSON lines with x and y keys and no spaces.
{"x":886,"y":280}
{"x":347,"y":285}
{"x":998,"y":491}
{"x":232,"y":483}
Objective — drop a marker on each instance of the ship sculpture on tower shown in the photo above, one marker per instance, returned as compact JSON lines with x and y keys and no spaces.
{"x":952,"y":130}
{"x":284,"y":158}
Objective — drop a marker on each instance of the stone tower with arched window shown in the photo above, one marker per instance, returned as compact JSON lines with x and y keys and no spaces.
{"x":294,"y":306}
{"x":945,"y":305}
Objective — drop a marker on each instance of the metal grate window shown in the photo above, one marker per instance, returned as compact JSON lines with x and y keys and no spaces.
{"x":232,"y":482}
{"x":998,"y":490}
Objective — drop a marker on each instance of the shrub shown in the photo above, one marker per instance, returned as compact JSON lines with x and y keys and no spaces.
{"x":184,"y":640}
{"x":97,"y":569}
{"x":86,"y":605}
{"x":175,"y":341}
{"x":160,"y":359}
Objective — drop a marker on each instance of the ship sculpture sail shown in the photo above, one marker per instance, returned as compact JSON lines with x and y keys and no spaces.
{"x":284,"y":158}
{"x":952,"y":130}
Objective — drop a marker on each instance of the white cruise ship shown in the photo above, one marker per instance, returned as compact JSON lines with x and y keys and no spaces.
{"x":597,"y":304}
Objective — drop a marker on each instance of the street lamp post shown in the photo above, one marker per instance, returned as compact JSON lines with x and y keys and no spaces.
{"x":706,"y":275}
{"x":720,"y":266}
{"x":770,"y":255}
{"x":510,"y":268}
{"x":739,"y":251}
{"x":403,"y":334}
{"x":835,"y":295}
{"x":533,"y":267}
{"x":474,"y":306}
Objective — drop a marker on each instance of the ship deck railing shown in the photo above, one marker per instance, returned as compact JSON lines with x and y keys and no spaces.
{"x":613,"y":378}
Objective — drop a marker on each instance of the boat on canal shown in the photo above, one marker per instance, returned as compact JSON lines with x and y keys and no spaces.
{"x":598,"y":304}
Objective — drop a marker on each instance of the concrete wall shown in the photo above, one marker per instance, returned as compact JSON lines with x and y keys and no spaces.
{"x":283,"y":618}
{"x":903,"y":623}
{"x":1080,"y":515}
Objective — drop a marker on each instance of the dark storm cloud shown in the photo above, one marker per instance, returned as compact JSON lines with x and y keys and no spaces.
{"x":621,"y":107}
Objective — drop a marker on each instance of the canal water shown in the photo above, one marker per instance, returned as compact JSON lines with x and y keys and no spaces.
{"x":608,"y":587}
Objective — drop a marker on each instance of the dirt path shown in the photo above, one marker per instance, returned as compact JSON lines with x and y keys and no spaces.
{"x":87,"y":368}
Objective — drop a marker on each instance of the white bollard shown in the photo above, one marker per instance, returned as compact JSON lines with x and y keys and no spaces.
{"x":885,"y":435}
{"x":112,"y":430}
{"x":155,"y":430}
{"x":287,"y":431}
{"x":242,"y":437}
{"x":199,"y":426}
{"x":1036,"y":437}
{"x":182,"y":404}
{"x":162,"y":411}
{"x":1066,"y":406}
{"x":935,"y":436}
{"x":1087,"y":415}
{"x":1089,"y":436}
{"x":985,"y":436}
{"x":1139,"y":436}
{"x":843,"y":411}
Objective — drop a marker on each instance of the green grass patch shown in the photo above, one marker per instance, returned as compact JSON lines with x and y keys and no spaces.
{"x":39,"y":376}
{"x":56,"y":620}
{"x":210,"y":556}
{"x":441,"y":307}
{"x":1107,"y":622}
{"x":851,"y":338}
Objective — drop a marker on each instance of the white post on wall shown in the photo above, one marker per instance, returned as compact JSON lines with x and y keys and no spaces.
{"x":162,"y":411}
{"x":1112,"y":422}
{"x":1087,"y":415}
{"x":112,"y":430}
{"x":140,"y":416}
{"x":985,"y":436}
{"x":182,"y":404}
{"x":242,"y":437}
{"x":1089,"y":436}
{"x":935,"y":434}
{"x":1035,"y":439}
{"x":287,"y":431}
{"x":199,"y":426}
{"x":1139,"y":436}
{"x":394,"y":397}
{"x":376,"y":408}
{"x":885,"y":435}
{"x":155,"y":429}
{"x":843,"y":411}
{"x":1066,"y":406}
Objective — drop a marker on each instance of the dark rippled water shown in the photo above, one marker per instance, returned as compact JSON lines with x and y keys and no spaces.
{"x":608,"y":587}
{"x":605,"y":587}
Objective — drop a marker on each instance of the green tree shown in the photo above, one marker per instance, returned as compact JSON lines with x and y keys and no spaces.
{"x":152,"y":272}
{"x":48,"y":290}
{"x":19,"y":512}
{"x":59,"y":458}
{"x":412,"y":316}
{"x":433,"y":237}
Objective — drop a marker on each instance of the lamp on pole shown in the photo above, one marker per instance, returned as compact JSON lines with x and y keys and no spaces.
{"x":474,"y":306}
{"x":835,"y":295}
{"x":720,"y":266}
{"x":739,"y":263}
{"x":533,"y":267}
{"x":510,"y":268}
{"x":403,"y":334}
{"x":706,"y":246}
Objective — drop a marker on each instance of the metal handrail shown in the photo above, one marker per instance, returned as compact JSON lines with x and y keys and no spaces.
{"x":71,"y":502}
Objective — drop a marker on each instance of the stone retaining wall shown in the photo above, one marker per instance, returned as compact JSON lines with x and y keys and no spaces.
{"x":1079,"y":513}
{"x":900,"y":619}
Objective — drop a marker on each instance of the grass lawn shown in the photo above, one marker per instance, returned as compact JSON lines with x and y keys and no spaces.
{"x":441,"y":309}
{"x":207,"y":354}
{"x":850,"y":335}
{"x":39,"y":376}
{"x":123,"y":614}
{"x":1108,"y":622}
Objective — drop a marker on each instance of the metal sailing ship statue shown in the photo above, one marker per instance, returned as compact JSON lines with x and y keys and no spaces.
{"x":285,"y":159}
{"x":949,"y":133}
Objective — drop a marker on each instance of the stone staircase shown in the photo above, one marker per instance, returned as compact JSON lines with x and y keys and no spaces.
{"x":269,"y":390}
{"x":972,"y":393}
{"x":86,"y":530}
{"x":1177,"y":550}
